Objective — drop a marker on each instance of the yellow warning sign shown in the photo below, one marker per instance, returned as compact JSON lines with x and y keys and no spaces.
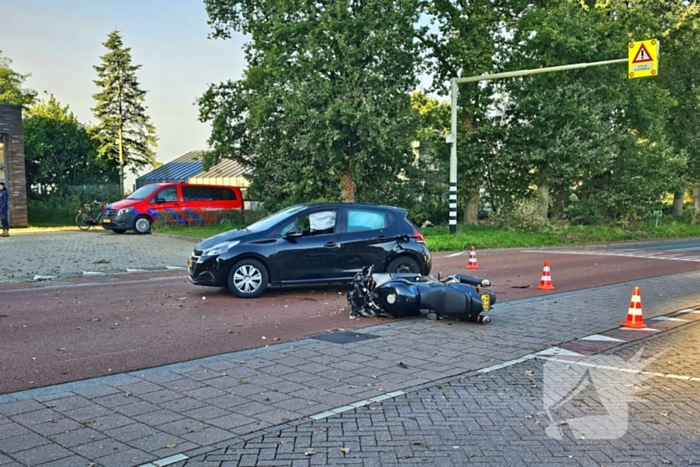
{"x":643,"y":58}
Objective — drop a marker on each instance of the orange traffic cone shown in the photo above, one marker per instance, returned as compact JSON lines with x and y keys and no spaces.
{"x":472,"y":264}
{"x":634,"y":315}
{"x":546,"y":281}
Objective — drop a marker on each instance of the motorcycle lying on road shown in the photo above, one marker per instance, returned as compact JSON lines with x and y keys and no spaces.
{"x":402,"y":295}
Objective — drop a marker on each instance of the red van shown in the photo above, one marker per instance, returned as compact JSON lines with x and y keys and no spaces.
{"x":182,"y":203}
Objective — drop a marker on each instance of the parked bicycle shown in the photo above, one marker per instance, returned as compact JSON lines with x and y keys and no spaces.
{"x":90,"y":215}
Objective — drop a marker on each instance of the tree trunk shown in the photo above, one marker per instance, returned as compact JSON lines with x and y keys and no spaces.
{"x":471,"y":209}
{"x":543,"y":200}
{"x":559,"y":204}
{"x":347,"y":187}
{"x":697,"y":197}
{"x":678,"y":203}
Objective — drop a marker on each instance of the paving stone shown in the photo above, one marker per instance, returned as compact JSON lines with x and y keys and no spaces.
{"x":158,"y":417}
{"x":56,"y":426}
{"x":77,"y":437}
{"x":41,"y":454}
{"x":18,"y":407}
{"x":208,"y":436}
{"x":206,"y":413}
{"x":21,"y":443}
{"x":97,"y":449}
{"x":122,"y":458}
{"x":11,"y":429}
{"x":71,"y":461}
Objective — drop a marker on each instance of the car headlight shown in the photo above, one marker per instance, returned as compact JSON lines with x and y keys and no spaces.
{"x":124,"y":211}
{"x":219,"y":248}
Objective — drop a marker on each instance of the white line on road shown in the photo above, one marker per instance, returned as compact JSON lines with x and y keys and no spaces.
{"x":605,"y":253}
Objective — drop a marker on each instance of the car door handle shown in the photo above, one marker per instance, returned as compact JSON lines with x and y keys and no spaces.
{"x":331,"y":244}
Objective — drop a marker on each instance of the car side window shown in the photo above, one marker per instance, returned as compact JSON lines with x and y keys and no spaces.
{"x":168,"y":195}
{"x":360,"y":220}
{"x":317,"y":223}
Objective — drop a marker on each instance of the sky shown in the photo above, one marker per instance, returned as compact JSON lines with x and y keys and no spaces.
{"x":59,"y":42}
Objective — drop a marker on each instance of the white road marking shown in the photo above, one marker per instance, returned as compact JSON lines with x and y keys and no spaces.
{"x":356,"y":405}
{"x":624,"y":370}
{"x":559,"y":351}
{"x":598,"y":337}
{"x":166,"y":461}
{"x":645,"y":255}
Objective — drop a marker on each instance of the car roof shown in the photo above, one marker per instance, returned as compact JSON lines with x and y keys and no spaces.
{"x":355,"y":205}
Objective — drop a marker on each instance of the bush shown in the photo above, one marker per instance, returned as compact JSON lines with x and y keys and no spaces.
{"x":53,"y":212}
{"x":523,"y":217}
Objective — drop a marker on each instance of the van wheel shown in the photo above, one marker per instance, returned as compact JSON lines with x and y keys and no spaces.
{"x":142,"y":225}
{"x":247,"y":278}
{"x":403,"y":264}
{"x":119,"y":231}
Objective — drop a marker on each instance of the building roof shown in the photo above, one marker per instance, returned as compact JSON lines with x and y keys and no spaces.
{"x":225,"y":169}
{"x":179,"y":170}
{"x":189,"y":168}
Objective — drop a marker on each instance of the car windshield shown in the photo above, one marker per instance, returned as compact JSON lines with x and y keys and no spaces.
{"x":143,"y":192}
{"x":272,"y":220}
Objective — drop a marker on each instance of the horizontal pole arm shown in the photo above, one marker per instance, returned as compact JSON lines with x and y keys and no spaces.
{"x":512,"y":74}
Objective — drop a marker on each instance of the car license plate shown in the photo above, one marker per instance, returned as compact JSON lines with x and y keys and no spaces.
{"x":486,"y":301}
{"x":106,"y":221}
{"x":190,"y":263}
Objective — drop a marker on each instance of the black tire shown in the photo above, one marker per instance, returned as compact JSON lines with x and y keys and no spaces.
{"x":247,"y":278}
{"x":142,"y":224}
{"x":119,"y":231}
{"x":403,"y":264}
{"x":80,"y":219}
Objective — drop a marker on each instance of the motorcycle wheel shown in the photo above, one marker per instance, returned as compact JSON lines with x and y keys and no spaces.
{"x":403,"y":264}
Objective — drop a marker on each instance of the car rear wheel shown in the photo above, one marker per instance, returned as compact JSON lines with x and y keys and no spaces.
{"x":119,"y":231}
{"x":142,"y":225}
{"x":403,"y":264}
{"x":247,"y":278}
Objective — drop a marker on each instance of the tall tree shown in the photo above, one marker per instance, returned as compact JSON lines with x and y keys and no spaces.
{"x":323,"y":110}
{"x":125,"y":132}
{"x":573,"y":129}
{"x":59,"y":151}
{"x":11,"y":91}
{"x":463,"y":43}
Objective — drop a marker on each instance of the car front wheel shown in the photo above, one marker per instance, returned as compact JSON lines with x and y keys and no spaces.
{"x":142,"y":225}
{"x":403,"y":264}
{"x":247,"y":278}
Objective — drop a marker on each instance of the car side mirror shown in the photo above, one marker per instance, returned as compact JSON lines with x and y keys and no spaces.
{"x":294,"y":233}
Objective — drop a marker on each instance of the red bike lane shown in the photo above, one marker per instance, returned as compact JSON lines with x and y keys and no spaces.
{"x":55,"y":332}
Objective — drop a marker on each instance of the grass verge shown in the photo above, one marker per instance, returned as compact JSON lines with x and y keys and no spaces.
{"x":483,"y":237}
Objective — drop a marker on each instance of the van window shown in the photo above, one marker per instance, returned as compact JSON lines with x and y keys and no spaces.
{"x":226,"y":193}
{"x":168,"y":195}
{"x":195,"y":193}
{"x":205,"y":193}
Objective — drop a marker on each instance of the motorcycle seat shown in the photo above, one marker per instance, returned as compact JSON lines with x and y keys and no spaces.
{"x":384,"y":277}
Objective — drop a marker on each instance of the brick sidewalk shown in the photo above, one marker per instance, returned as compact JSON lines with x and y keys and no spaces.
{"x":493,"y":419}
{"x":187,"y":410}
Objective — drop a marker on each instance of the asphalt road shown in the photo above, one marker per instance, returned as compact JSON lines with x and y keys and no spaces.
{"x":82,"y":327}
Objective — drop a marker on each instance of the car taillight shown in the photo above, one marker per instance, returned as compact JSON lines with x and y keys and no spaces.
{"x":418,"y":237}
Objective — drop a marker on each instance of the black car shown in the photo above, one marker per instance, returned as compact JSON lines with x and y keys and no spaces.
{"x":310,"y":244}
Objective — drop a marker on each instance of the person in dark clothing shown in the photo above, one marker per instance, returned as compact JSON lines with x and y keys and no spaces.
{"x":4,"y":207}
